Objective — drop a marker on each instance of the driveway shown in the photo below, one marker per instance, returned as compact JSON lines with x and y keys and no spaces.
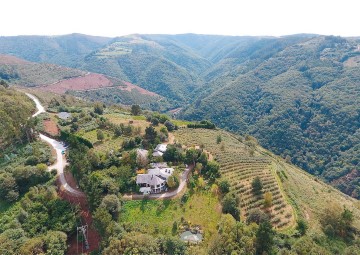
{"x":169,"y":194}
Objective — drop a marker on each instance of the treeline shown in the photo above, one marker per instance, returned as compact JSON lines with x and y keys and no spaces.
{"x":203,"y":124}
{"x":15,"y":110}
{"x":38,"y":225}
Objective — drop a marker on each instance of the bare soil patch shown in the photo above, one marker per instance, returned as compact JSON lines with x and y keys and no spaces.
{"x":50,"y":127}
{"x":130,"y":86}
{"x":89,"y":81}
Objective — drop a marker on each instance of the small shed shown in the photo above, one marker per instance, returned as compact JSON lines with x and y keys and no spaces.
{"x":64,"y":115}
{"x":190,"y":237}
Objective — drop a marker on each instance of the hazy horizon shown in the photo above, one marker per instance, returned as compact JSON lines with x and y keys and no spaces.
{"x":112,"y":18}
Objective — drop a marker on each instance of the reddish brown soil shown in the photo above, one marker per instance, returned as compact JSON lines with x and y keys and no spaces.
{"x":347,"y":178}
{"x":130,"y":86}
{"x":93,"y":236}
{"x":51,"y":128}
{"x":11,"y":60}
{"x":91,"y":81}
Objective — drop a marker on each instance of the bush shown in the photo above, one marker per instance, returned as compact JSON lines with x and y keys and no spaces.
{"x":256,"y":185}
{"x":230,"y":205}
{"x":224,"y":186}
{"x":203,"y":124}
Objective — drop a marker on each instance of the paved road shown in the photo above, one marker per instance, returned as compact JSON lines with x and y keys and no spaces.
{"x":59,"y":148}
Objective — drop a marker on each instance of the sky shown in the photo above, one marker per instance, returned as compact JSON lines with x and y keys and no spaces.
{"x":225,"y":17}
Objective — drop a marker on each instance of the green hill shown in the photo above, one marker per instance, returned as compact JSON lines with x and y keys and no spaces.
{"x":62,"y":50}
{"x":301,"y":103}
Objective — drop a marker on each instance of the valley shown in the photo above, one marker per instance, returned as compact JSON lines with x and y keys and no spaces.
{"x":245,"y":116}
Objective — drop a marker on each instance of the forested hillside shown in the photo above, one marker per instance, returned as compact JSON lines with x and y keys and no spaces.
{"x":298,"y":95}
{"x":62,"y":50}
{"x":15,"y":109}
{"x":302,"y":102}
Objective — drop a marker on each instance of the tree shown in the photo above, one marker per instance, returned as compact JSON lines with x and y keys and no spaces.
{"x":172,"y":246}
{"x":112,"y":204}
{"x":212,"y":171}
{"x":135,"y":110}
{"x":169,"y":125}
{"x":233,"y":237}
{"x":4,"y":84}
{"x":99,"y":108}
{"x":55,"y":242}
{"x":257,"y":216}
{"x":8,"y":187}
{"x":172,"y":154}
{"x":215,"y":189}
{"x":230,"y":205}
{"x":155,"y":121}
{"x":191,"y":156}
{"x":224,"y":186}
{"x":102,"y":220}
{"x":256,"y":185}
{"x":264,"y":238}
{"x":100,"y":135}
{"x":301,"y":226}
{"x":218,"y":139}
{"x":267,"y":199}
{"x":203,"y":159}
{"x":150,"y":134}
{"x":133,"y":243}
{"x":336,"y":220}
{"x":172,"y":181}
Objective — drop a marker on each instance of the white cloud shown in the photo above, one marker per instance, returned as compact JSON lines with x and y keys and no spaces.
{"x":230,"y":17}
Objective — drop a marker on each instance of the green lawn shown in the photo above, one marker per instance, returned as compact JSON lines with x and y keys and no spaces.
{"x":158,"y":216}
{"x":181,"y":122}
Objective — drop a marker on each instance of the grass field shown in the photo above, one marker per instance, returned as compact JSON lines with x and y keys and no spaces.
{"x":109,"y":143}
{"x":158,"y":216}
{"x":310,"y":196}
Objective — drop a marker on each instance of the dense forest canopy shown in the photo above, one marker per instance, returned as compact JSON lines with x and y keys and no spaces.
{"x":15,"y":109}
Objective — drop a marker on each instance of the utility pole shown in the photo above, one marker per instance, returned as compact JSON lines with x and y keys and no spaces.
{"x":83,"y":230}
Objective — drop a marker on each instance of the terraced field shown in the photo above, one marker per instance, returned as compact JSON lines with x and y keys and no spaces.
{"x":240,"y":166}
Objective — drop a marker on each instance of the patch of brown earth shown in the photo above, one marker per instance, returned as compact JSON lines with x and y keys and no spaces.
{"x":130,"y":86}
{"x":87,"y":82}
{"x":50,"y":127}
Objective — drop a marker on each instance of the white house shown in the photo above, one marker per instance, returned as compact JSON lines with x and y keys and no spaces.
{"x":159,"y":150}
{"x":155,"y":179}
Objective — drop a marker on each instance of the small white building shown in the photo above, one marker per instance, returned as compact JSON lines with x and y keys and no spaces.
{"x":159,"y":150}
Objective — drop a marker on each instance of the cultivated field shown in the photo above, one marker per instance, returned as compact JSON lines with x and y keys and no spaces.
{"x":240,"y":168}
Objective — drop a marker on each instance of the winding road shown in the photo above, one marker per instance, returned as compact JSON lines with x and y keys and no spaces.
{"x":59,"y":148}
{"x":61,"y":163}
